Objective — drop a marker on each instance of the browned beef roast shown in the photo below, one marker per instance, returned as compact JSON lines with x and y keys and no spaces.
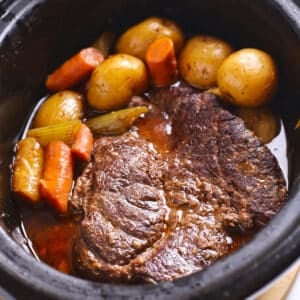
{"x":151,"y":216}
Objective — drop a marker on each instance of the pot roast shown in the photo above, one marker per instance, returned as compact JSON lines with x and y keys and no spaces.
{"x":151,"y":215}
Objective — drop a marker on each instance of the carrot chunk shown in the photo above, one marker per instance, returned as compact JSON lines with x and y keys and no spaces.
{"x":83,"y":143}
{"x":57,"y":178}
{"x":161,"y":60}
{"x":74,"y":69}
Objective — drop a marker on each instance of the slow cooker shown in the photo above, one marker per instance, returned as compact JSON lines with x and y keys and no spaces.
{"x":37,"y":35}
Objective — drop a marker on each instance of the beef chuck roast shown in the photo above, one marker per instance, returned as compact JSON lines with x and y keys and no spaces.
{"x":152,"y":215}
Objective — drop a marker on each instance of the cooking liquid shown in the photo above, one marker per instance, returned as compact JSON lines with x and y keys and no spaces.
{"x":52,"y":237}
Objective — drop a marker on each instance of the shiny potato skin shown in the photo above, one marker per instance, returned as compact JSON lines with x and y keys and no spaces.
{"x":248,"y":78}
{"x":115,"y":81}
{"x":200,"y":60}
{"x":136,"y":40}
{"x":60,"y":107}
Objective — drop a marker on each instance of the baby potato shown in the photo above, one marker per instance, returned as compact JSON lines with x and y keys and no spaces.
{"x":115,"y":81}
{"x":136,"y":40}
{"x":248,"y":78}
{"x":60,"y":107}
{"x":261,"y":120}
{"x":200,"y":60}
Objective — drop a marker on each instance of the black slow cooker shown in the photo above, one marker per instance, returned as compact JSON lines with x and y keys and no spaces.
{"x":37,"y":35}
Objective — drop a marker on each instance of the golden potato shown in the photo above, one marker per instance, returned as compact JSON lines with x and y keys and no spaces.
{"x":115,"y":81}
{"x":136,"y":40}
{"x":200,"y":60}
{"x":261,"y":120}
{"x":60,"y":107}
{"x":248,"y":78}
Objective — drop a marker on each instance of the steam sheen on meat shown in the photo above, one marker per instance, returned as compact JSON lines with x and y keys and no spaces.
{"x":150,"y":215}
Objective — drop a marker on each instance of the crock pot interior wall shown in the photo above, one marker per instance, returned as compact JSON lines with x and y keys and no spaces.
{"x":38,"y":35}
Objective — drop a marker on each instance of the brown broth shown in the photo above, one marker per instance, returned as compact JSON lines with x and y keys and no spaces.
{"x":156,"y":129}
{"x":52,"y":237}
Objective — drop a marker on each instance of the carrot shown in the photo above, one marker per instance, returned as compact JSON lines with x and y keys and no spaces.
{"x":74,"y":69}
{"x":161,"y":60}
{"x":57,"y":178}
{"x":83,"y":143}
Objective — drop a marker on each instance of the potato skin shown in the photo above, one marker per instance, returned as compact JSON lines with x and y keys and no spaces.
{"x":60,"y":107}
{"x":261,"y":120}
{"x":136,"y":40}
{"x":200,"y":60}
{"x":115,"y":81}
{"x":248,"y":78}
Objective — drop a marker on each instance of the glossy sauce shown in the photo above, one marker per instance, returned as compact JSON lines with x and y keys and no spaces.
{"x":52,"y":237}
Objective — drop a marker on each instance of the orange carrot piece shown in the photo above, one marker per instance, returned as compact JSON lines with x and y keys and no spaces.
{"x":161,"y":60}
{"x":83,"y":143}
{"x":57,"y":178}
{"x":74,"y":69}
